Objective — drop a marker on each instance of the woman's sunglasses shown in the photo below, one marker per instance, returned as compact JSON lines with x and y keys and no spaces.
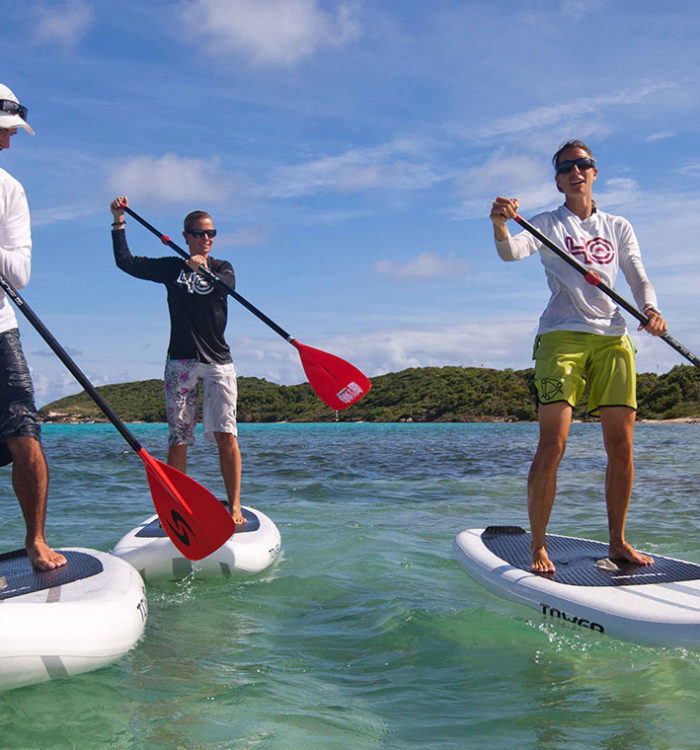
{"x":211,"y":233}
{"x":564,"y":167}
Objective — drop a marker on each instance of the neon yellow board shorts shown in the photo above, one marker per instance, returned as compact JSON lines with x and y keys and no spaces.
{"x":567,"y":361}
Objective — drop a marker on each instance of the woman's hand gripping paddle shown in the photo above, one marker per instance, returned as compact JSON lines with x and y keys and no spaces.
{"x":594,"y":279}
{"x":194,"y":519}
{"x":336,"y":382}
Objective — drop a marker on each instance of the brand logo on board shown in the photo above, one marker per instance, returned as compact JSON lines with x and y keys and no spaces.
{"x":555,"y":613}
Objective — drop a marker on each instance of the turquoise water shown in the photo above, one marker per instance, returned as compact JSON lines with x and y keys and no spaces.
{"x":366,"y":633}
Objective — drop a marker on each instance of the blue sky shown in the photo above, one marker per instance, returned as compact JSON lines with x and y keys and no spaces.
{"x":348,"y":153}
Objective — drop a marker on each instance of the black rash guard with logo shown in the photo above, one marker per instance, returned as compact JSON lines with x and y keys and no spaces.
{"x":198,"y":311}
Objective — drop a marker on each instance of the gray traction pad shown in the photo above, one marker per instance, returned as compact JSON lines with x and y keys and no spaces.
{"x":575,"y":560}
{"x":17,"y":576}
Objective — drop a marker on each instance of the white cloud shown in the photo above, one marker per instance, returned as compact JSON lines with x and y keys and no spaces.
{"x":171,"y":178}
{"x":667,"y":236}
{"x":46,"y":352}
{"x":51,"y":383}
{"x":61,"y":213}
{"x":525,"y":177}
{"x":499,"y":344}
{"x":425,"y":266}
{"x":662,"y":135}
{"x":617,"y":192}
{"x":252,"y":235}
{"x":62,"y":23}
{"x":692,"y":169}
{"x":576,"y":9}
{"x":269,"y":31}
{"x":394,"y":166}
{"x":572,"y":112}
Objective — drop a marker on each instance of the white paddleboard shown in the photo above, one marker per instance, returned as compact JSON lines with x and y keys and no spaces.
{"x":253,"y":547}
{"x":73,"y":619}
{"x":654,"y":605}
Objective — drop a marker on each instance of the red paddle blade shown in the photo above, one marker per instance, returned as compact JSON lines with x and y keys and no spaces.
{"x":194,"y":519}
{"x":336,"y":382}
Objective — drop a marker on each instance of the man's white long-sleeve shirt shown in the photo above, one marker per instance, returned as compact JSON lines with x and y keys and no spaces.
{"x":603,"y":243}
{"x":15,"y":243}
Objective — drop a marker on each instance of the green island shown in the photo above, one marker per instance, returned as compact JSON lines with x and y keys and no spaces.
{"x":421,"y":394}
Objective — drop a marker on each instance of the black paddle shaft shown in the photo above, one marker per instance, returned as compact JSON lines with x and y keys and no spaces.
{"x":593,"y":279}
{"x":213,"y":278}
{"x":61,"y":353}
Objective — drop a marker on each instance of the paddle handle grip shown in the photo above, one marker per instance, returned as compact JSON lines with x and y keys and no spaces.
{"x":61,"y":353}
{"x":212,"y":277}
{"x":593,"y":278}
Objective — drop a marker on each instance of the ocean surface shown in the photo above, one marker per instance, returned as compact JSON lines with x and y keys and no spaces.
{"x":366,"y":633}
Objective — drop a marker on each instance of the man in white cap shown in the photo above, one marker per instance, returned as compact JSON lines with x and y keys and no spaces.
{"x":19,"y":426}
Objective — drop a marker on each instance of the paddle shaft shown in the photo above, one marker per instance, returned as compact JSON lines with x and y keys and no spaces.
{"x":592,"y":278}
{"x":214,"y":279}
{"x":61,"y":353}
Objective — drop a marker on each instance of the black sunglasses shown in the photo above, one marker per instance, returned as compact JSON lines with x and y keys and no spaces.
{"x":211,"y":233}
{"x":13,"y":108}
{"x":564,"y":167}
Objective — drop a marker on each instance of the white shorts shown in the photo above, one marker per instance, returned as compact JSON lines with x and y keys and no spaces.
{"x":219,"y":397}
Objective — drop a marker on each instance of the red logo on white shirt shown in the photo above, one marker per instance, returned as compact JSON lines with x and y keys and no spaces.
{"x":596,"y":250}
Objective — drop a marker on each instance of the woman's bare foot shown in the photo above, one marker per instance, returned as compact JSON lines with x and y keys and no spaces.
{"x":623,"y":551}
{"x":541,"y":564}
{"x":43,"y":557}
{"x":238,"y":517}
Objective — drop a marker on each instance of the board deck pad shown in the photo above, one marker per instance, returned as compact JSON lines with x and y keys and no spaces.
{"x":17,"y":576}
{"x":154,"y":529}
{"x":575,"y":560}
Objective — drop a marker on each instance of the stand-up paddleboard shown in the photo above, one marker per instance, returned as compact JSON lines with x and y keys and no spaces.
{"x":252,"y":548}
{"x":73,"y":619}
{"x":655,"y":605}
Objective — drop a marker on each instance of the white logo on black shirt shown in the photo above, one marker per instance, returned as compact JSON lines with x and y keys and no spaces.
{"x":195,"y":283}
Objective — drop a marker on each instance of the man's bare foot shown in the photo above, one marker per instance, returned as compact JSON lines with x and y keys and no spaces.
{"x":623,"y":551}
{"x":43,"y":557}
{"x":238,"y":518}
{"x":541,"y":564}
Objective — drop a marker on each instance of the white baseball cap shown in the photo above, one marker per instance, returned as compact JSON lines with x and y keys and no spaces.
{"x":12,"y":113}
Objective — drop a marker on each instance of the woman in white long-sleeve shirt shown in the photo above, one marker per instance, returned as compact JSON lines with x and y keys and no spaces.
{"x":582,"y":340}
